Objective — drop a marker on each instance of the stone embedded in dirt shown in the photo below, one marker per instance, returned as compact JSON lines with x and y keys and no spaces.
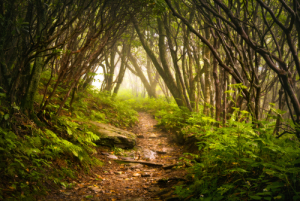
{"x":95,"y":189}
{"x":112,"y":136}
{"x":147,"y":153}
{"x":136,"y":174}
{"x":140,"y":136}
{"x":146,"y":174}
{"x":168,"y":171}
{"x":135,"y":165}
{"x":112,"y":157}
{"x":118,"y":173}
{"x":152,"y":135}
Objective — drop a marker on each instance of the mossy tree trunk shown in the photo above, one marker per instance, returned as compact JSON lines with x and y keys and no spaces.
{"x":28,"y":101}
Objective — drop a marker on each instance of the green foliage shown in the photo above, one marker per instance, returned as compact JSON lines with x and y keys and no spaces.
{"x":29,"y":159}
{"x":36,"y":156}
{"x":99,"y":106}
{"x":238,"y":161}
{"x":150,"y":105}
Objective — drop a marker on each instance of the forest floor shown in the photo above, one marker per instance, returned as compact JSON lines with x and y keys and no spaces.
{"x":117,"y":180}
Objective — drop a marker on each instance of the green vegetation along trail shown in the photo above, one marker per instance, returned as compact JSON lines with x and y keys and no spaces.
{"x":151,"y":179}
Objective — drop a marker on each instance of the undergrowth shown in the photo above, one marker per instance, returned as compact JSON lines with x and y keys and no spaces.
{"x":35,"y":159}
{"x":235,"y":161}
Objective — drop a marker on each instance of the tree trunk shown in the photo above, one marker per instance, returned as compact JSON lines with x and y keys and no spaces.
{"x":207,"y":72}
{"x":27,"y":104}
{"x":163,"y":71}
{"x":122,"y":68}
{"x":217,"y":90}
{"x":141,"y":75}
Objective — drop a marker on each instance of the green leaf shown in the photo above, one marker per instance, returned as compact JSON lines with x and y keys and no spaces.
{"x":237,"y":170}
{"x":69,"y":131}
{"x":255,"y":197}
{"x":6,"y":116}
{"x":16,"y":107}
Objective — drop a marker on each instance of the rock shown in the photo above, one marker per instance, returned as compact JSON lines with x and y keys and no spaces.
{"x":112,"y":136}
{"x":146,"y":174}
{"x":112,"y":157}
{"x":136,"y":175}
{"x":153,"y":136}
{"x":135,"y":165}
{"x":95,"y":189}
{"x":140,"y":136}
{"x":147,"y":153}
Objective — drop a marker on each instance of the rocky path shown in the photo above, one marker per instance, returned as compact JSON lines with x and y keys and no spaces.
{"x":151,"y":179}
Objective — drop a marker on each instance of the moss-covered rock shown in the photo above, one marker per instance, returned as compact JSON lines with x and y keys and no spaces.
{"x":112,"y":136}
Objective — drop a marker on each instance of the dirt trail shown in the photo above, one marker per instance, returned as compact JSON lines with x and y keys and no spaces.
{"x":131,"y":181}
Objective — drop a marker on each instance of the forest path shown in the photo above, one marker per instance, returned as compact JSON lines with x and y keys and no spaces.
{"x":117,"y":180}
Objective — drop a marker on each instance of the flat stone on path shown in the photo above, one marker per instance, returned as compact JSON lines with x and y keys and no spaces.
{"x":152,"y":135}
